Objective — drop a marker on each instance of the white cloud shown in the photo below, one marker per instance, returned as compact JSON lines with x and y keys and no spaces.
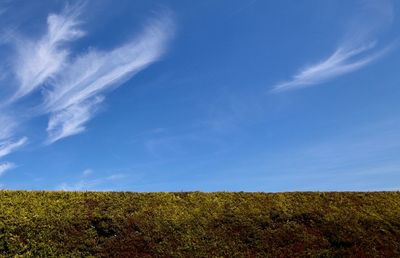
{"x":79,"y":186}
{"x":39,"y":60}
{"x":7,"y":126}
{"x":341,"y":62}
{"x":87,"y":172}
{"x":70,"y":121}
{"x":3,"y":7}
{"x":74,"y":93}
{"x":94,"y":184}
{"x":72,"y":86}
{"x":357,"y":50}
{"x":9,"y":146}
{"x":5,"y":167}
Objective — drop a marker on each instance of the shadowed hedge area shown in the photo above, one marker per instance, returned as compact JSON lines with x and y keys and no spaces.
{"x":194,"y":224}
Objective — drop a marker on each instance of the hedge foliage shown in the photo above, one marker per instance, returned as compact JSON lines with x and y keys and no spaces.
{"x":195,"y":224}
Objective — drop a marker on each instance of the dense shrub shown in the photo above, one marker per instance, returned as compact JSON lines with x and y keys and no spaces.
{"x":194,"y":224}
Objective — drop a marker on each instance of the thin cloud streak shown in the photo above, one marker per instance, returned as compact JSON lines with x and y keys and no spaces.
{"x":70,"y":121}
{"x":8,"y":124}
{"x":3,"y":7}
{"x":39,"y":60}
{"x":4,"y":167}
{"x":80,"y":85}
{"x":87,"y":172}
{"x":91,"y":184}
{"x":341,"y":62}
{"x":357,"y":50}
{"x":9,"y":146}
{"x":2,"y":10}
{"x":73,"y":85}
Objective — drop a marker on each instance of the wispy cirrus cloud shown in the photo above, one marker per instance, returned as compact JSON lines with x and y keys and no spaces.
{"x":3,"y":6}
{"x":73,"y":85}
{"x":96,"y":184}
{"x":341,"y":62}
{"x":4,"y":167}
{"x":8,"y":124}
{"x":2,"y":10}
{"x":71,"y":120}
{"x":8,"y":142}
{"x":358,"y":49}
{"x":34,"y":62}
{"x":41,"y":59}
{"x":87,"y":172}
{"x":9,"y":146}
{"x":80,"y":87}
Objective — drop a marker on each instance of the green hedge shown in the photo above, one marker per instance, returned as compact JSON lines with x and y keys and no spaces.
{"x":194,"y":224}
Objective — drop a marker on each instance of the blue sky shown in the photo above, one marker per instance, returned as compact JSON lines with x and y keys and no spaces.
{"x":200,"y":95}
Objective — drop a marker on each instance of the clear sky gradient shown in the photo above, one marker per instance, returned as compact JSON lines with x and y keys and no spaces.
{"x":200,"y":95}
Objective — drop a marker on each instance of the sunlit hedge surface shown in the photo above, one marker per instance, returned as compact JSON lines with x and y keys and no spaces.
{"x":119,"y":224}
